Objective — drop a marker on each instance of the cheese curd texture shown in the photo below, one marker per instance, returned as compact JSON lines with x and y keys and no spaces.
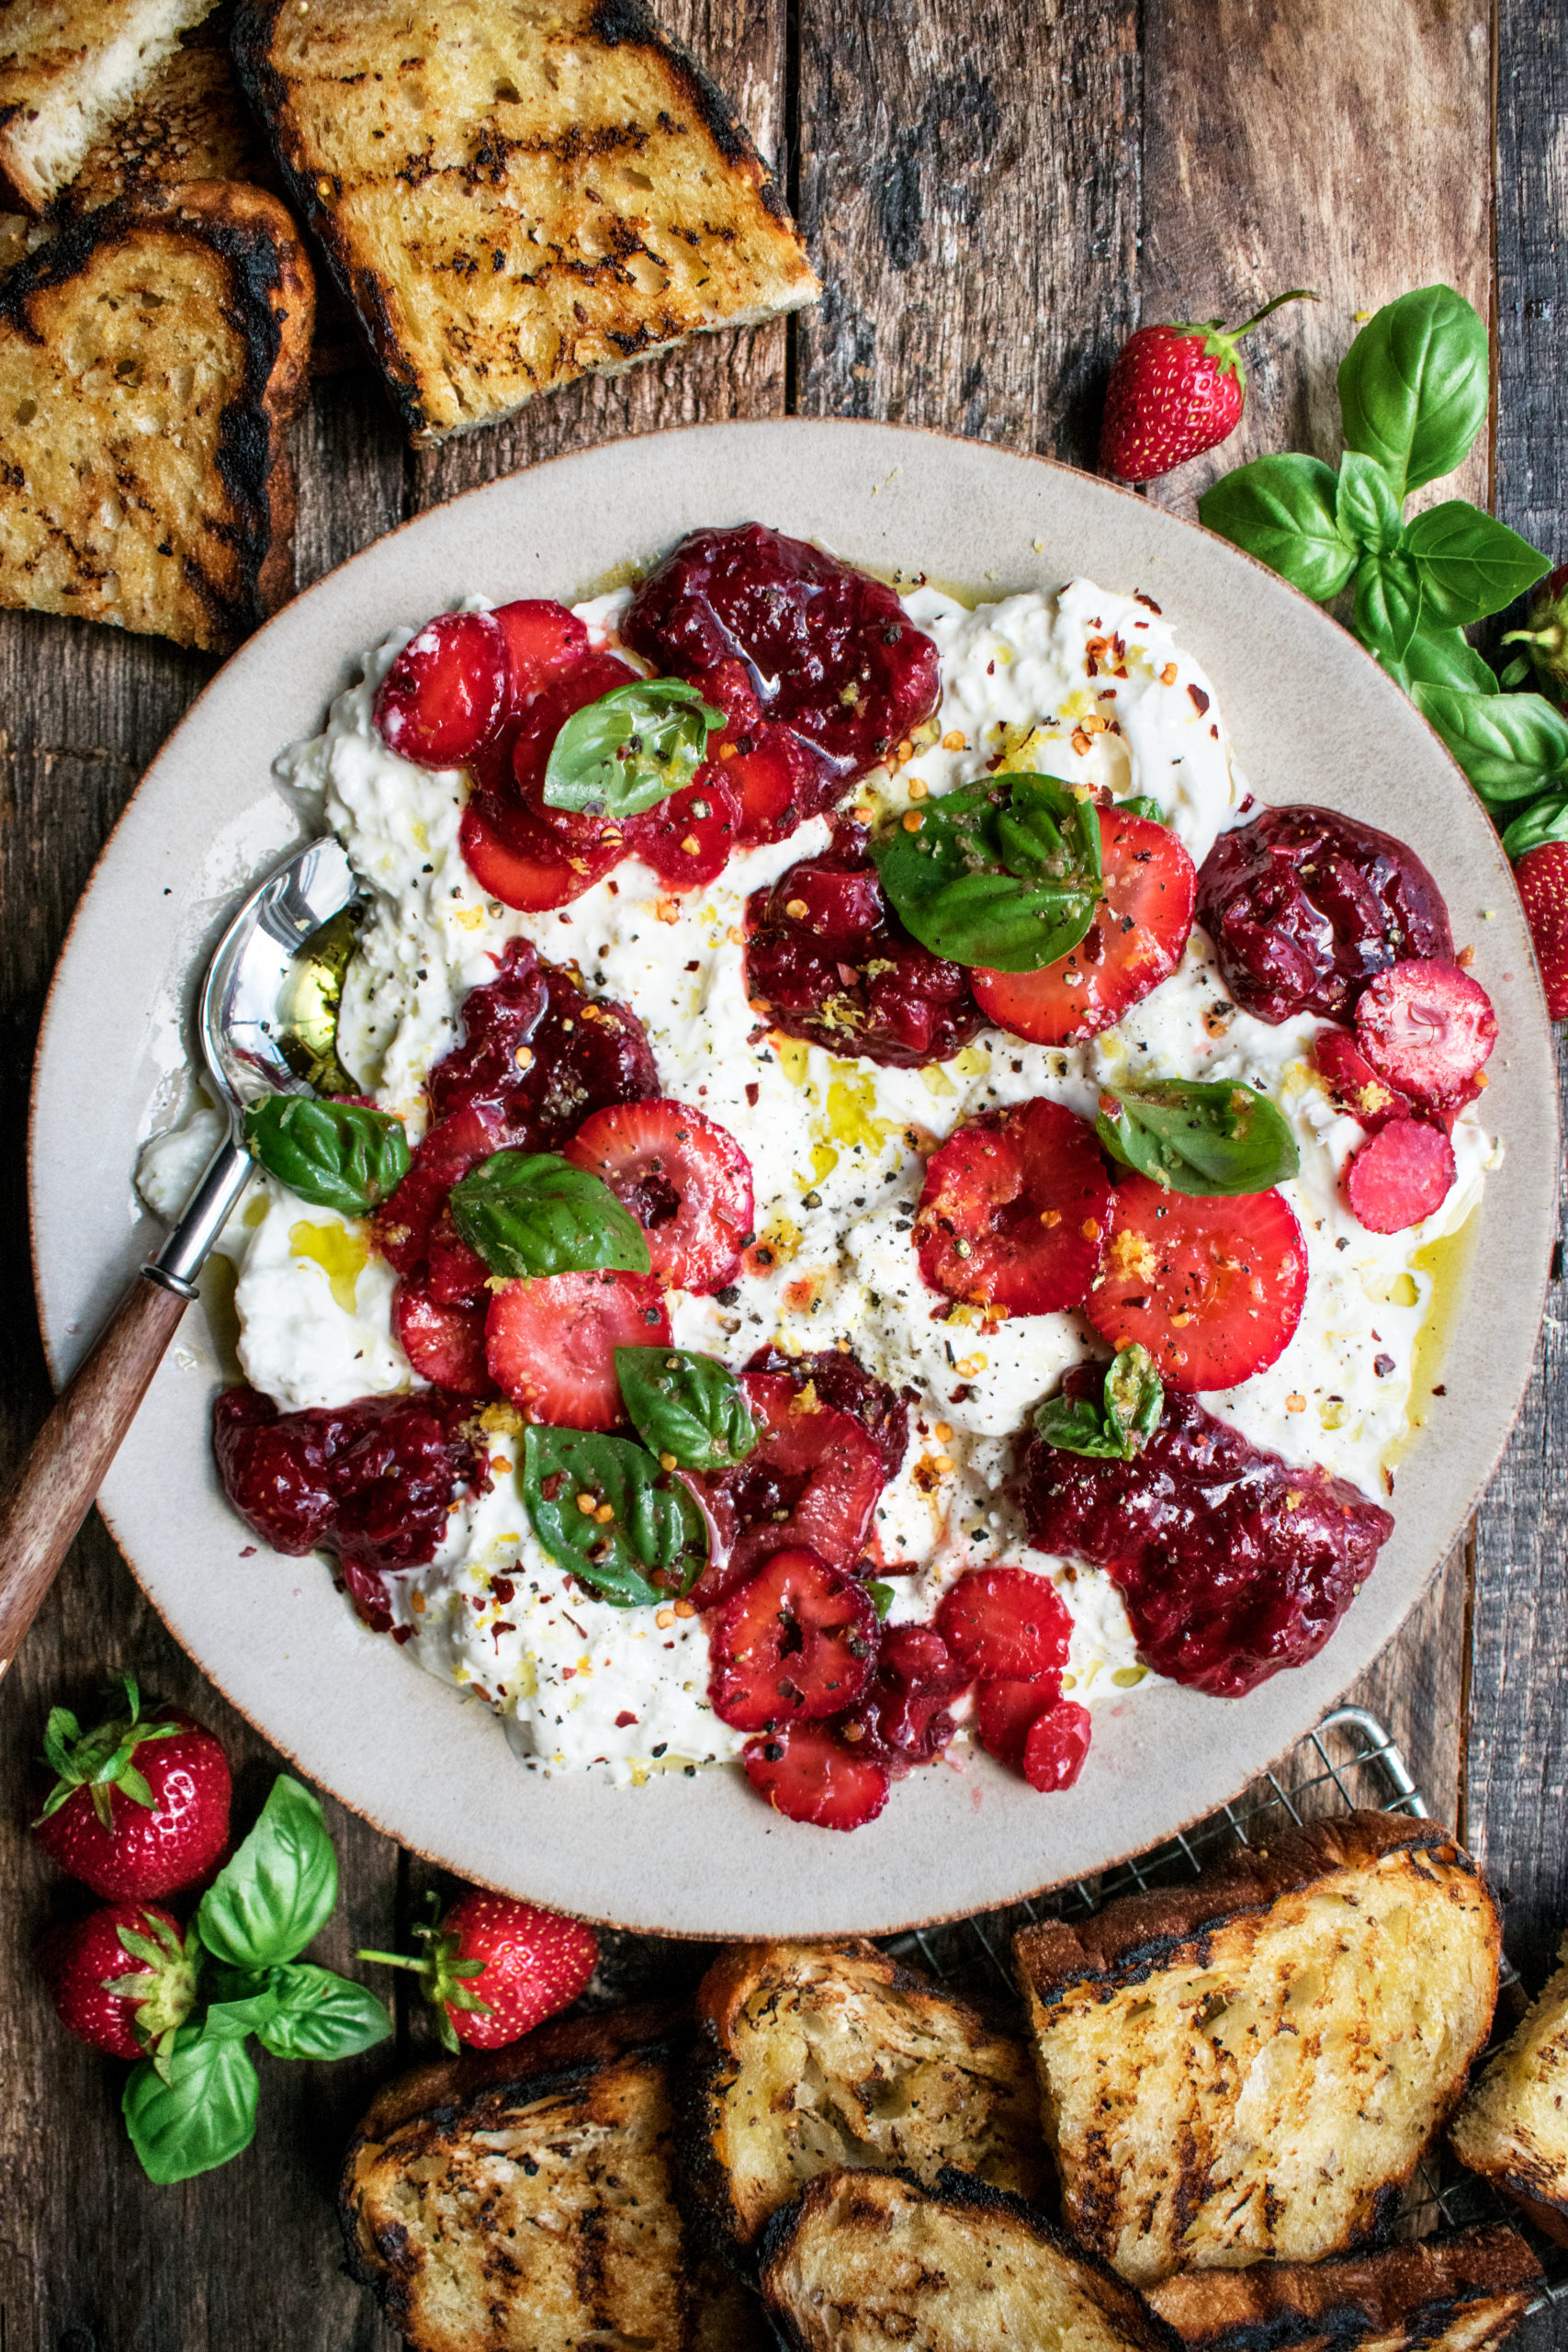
{"x":837,"y":1150}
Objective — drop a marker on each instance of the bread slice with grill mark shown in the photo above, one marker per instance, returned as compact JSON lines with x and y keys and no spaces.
{"x":68,"y":70}
{"x":818,"y":2055}
{"x":1253,"y":2066}
{"x":1513,"y":2126}
{"x":1462,"y":2293}
{"x":522,"y":2201}
{"x":188,"y":123}
{"x":150,"y":357}
{"x":515,"y":193}
{"x":864,"y":2260}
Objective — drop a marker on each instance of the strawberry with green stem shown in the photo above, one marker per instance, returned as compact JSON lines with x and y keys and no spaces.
{"x":123,"y":1980}
{"x":1175,"y":392}
{"x":493,"y":1968}
{"x":138,"y":1807}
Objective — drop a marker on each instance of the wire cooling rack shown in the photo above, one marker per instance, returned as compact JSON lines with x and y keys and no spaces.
{"x":1349,"y":1762}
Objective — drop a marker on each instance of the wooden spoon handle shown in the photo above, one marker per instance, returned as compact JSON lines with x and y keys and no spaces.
{"x":42,"y":1512}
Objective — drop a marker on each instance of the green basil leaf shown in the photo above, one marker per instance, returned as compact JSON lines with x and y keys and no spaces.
{"x":231,"y":2020}
{"x":1194,"y":1136}
{"x":318,"y":2015}
{"x":880,"y":1596}
{"x":1542,"y":821}
{"x":1469,"y":564}
{"x":195,"y":2115}
{"x":688,"y":1405}
{"x":334,"y":1154}
{"x":1004,"y":874}
{"x":631,"y":749}
{"x":1120,"y":1427}
{"x":655,"y":1528}
{"x":278,"y":1891}
{"x":533,"y":1212}
{"x":1282,"y":510}
{"x":1388,"y":603}
{"x":1365,"y":507}
{"x":1414,"y":385}
{"x":1439,"y":657}
{"x":1141,"y":805}
{"x":1508,"y":746}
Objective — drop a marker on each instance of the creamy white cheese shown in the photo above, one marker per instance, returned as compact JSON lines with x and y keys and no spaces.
{"x":836,"y":1148}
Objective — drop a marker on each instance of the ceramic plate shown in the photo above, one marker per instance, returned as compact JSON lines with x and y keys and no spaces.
{"x":1311,"y":719}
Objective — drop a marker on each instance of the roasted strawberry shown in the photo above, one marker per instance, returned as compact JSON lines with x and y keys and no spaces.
{"x":1356,"y":1085}
{"x":838,"y":1378}
{"x":140,"y":1805}
{"x":1014,"y":1209}
{"x":494,"y":1968}
{"x":120,"y":1978}
{"x":808,"y":1774}
{"x":1005,"y":1713}
{"x":811,"y":1483}
{"x":551,"y":1343}
{"x":457,"y":1275}
{"x":539,"y":1054}
{"x":402,"y":1226}
{"x":684,"y":1179}
{"x":542,"y":639}
{"x":448,"y":692}
{"x":1212,"y":1287}
{"x":1055,"y":1746}
{"x":687,"y":838}
{"x":445,"y":1344}
{"x":904,"y":1719}
{"x":587,"y":681}
{"x":1400,"y":1175}
{"x":1427,"y":1027}
{"x":796,"y":1644}
{"x":515,"y":858}
{"x":1007,"y":1624}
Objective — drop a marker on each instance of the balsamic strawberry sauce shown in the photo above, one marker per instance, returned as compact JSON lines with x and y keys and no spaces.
{"x":1232,"y":1563}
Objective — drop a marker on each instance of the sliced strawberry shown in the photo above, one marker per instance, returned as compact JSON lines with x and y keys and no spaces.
{"x":1427,"y":1027}
{"x":794,"y":1644}
{"x":684,"y":1179}
{"x":1057,"y":1743}
{"x":445,"y":1344}
{"x":1541,"y":876}
{"x":542,"y":639}
{"x":840,"y":1379}
{"x":903,"y":1718}
{"x":687,"y":838}
{"x":458,"y":1274}
{"x":812,"y":1482}
{"x":776,"y":778}
{"x":516,"y":859}
{"x":1014,"y":1210}
{"x":1212,"y":1287}
{"x":402,"y":1225}
{"x":806,"y":1774}
{"x":588,"y":681}
{"x":1005,"y":1713}
{"x":1355,"y":1086}
{"x":1400,"y":1175}
{"x":551,"y":1343}
{"x":1134,"y":942}
{"x":1007,"y":1624}
{"x":448,"y":692}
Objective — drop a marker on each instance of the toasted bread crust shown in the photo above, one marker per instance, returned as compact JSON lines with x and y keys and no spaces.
{"x":1513,"y":2126}
{"x":68,"y":69}
{"x":1470,"y":2289}
{"x":206,"y":589}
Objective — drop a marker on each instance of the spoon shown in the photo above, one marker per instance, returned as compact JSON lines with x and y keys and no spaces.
{"x":266,"y":1022}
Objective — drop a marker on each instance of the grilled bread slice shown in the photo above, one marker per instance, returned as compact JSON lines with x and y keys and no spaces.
{"x":68,"y":69}
{"x":524,"y":2200}
{"x":1462,"y":2293}
{"x":812,"y":2055}
{"x":149,"y":359}
{"x":1253,"y":2066}
{"x":864,"y":2260}
{"x":189,"y":123}
{"x":513,"y":193}
{"x":1514,"y":2125}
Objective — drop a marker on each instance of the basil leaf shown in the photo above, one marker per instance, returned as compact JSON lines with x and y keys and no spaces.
{"x":1141,"y":805}
{"x":231,"y":2020}
{"x":1508,"y":746}
{"x":1120,"y":1427}
{"x":1282,"y":510}
{"x":1197,"y":1137}
{"x":333,"y":1155}
{"x":1004,"y":874}
{"x":1388,"y":603}
{"x":687,"y":1405}
{"x":1469,"y":564}
{"x":318,"y":2015}
{"x":280,"y":1889}
{"x":533,"y":1212}
{"x":655,"y":1528}
{"x":631,"y":749}
{"x":880,"y":1596}
{"x":1544,"y":821}
{"x":1414,"y":385}
{"x":1439,"y":657}
{"x":197,"y":2114}
{"x":1365,"y":507}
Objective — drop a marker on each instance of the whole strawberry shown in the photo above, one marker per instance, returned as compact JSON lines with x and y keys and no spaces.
{"x":1542,"y":878}
{"x":1546,"y":639}
{"x":1176,"y":392}
{"x":494,"y":1968}
{"x":122,"y":1979}
{"x":138,"y":1807}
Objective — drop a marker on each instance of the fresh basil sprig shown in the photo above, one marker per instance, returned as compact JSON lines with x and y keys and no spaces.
{"x":1414,"y":385}
{"x":1004,"y":874}
{"x":688,"y":1405}
{"x":1545,"y":821}
{"x":333,"y":1155}
{"x":1119,"y":1428}
{"x":1504,"y":744}
{"x":631,"y":749}
{"x":1199,"y":1136}
{"x":533,"y":1212}
{"x":193,"y":2105}
{"x":653,"y":1528}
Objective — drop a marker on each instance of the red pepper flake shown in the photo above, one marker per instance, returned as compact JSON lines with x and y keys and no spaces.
{"x":1200,"y":699}
{"x":624,"y":1720}
{"x":752,"y":1092}
{"x":503,"y":1588}
{"x":401,"y":1633}
{"x":248,"y":1551}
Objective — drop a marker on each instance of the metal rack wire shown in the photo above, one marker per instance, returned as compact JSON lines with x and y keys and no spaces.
{"x":1350,"y":1762}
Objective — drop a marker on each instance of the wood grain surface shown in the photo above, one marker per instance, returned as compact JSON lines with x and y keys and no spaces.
{"x":993,"y":198}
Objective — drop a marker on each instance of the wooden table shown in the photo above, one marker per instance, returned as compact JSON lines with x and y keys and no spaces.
{"x":993,"y":196}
